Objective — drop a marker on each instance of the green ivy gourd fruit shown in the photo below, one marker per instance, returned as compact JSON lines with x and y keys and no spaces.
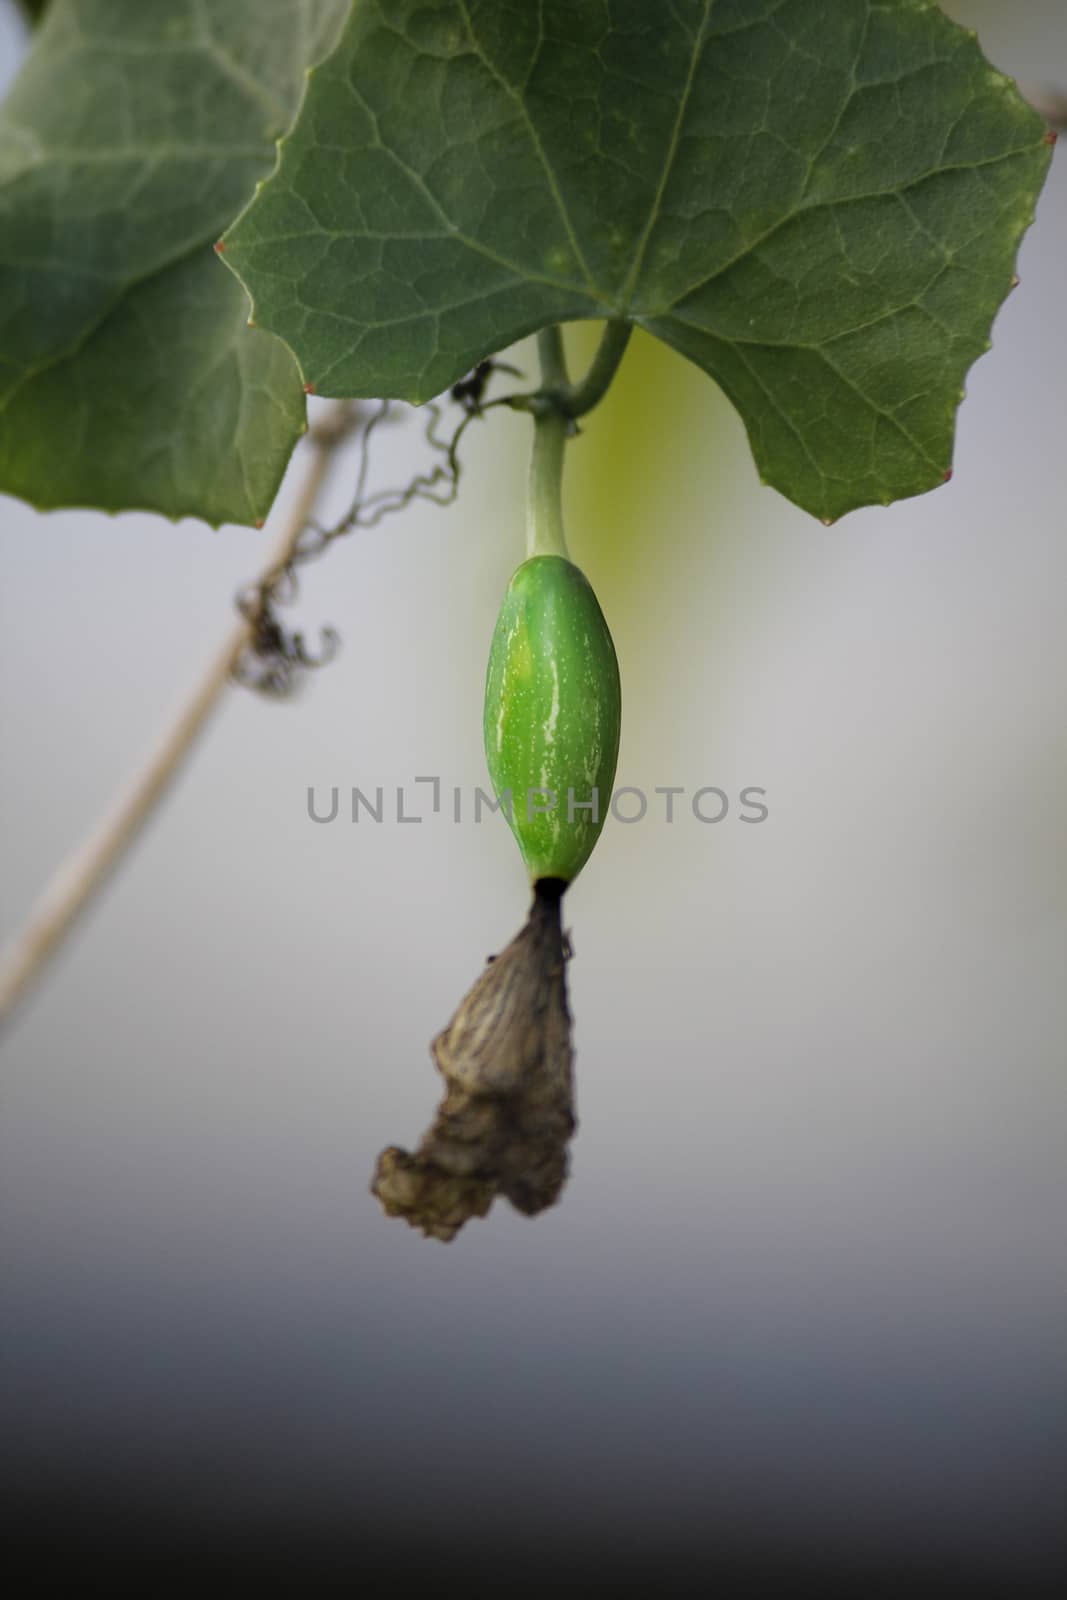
{"x":553,"y":709}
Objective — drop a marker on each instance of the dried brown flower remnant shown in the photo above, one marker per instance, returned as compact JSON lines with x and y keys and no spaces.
{"x":508,"y":1111}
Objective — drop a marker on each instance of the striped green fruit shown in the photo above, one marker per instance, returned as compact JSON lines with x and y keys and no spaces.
{"x":553,"y":708}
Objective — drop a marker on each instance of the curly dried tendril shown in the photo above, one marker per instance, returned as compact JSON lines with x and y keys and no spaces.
{"x":275,"y":658}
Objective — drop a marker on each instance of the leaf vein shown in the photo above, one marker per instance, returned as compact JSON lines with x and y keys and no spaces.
{"x":535,"y":139}
{"x":672,"y":151}
{"x":897,"y":193}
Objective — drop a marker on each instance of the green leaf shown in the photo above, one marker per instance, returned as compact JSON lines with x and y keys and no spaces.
{"x":817,"y":201}
{"x":132,"y":136}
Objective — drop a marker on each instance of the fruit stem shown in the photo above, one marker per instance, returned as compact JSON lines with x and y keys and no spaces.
{"x":555,"y":408}
{"x":544,"y":506}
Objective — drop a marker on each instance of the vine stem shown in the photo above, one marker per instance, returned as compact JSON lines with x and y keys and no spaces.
{"x":80,"y":878}
{"x":553,"y":359}
{"x":575,"y":399}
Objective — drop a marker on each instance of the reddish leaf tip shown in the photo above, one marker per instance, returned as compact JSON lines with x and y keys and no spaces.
{"x":309,"y":388}
{"x":948,"y":474}
{"x":259,"y":522}
{"x":220,"y":247}
{"x":1051,"y":136}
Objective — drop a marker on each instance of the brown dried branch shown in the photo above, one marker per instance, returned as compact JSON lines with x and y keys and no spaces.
{"x":81,"y":878}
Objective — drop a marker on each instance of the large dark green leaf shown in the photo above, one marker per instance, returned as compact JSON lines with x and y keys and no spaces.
{"x":818,"y":201}
{"x":133,"y":135}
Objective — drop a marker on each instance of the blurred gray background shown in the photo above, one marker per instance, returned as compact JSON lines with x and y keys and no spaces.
{"x":801,"y":1310}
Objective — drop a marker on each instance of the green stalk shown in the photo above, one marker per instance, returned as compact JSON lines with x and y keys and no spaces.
{"x":553,"y":360}
{"x":555,"y":407}
{"x":544,"y":505}
{"x":575,"y":399}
